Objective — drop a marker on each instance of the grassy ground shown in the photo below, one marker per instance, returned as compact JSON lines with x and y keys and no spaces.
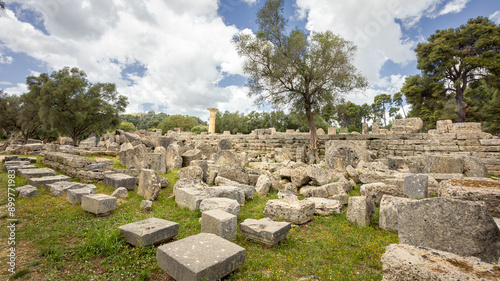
{"x":57,"y":240}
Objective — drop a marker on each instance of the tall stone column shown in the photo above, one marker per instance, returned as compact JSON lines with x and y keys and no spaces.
{"x":211,"y":122}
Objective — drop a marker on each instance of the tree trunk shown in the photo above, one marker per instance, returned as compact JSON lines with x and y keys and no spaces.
{"x":74,"y":136}
{"x":461,"y":105}
{"x":313,"y":156}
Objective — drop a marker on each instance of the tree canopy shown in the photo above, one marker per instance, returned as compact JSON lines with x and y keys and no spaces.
{"x":73,"y":106}
{"x":178,"y":121}
{"x":299,"y":70}
{"x":457,"y":57}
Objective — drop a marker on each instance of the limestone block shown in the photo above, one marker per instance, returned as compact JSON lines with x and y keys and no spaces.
{"x":406,"y":262}
{"x":34,"y":173}
{"x":225,"y":191}
{"x":190,"y":172}
{"x":200,"y":257}
{"x":220,"y":223}
{"x":227,"y":157}
{"x":190,"y":155}
{"x":263,"y":184}
{"x":99,"y":204}
{"x":190,"y":183}
{"x":119,"y":180}
{"x":444,"y":126}
{"x":339,"y":155}
{"x":461,"y":227}
{"x":416,"y":185}
{"x":26,"y":191}
{"x":60,"y":188}
{"x":189,"y":197}
{"x":375,"y":191}
{"x":225,"y":204}
{"x":314,"y":191}
{"x":317,"y":174}
{"x":43,"y":181}
{"x":473,"y":190}
{"x":75,"y":195}
{"x":265,"y":231}
{"x":146,"y":205}
{"x":152,"y":231}
{"x":360,"y":210}
{"x":467,"y":127}
{"x":233,"y":173}
{"x":287,"y":194}
{"x":326,"y":207}
{"x":389,"y":206}
{"x":156,"y":162}
{"x":174,"y":158}
{"x":149,"y":184}
{"x":289,"y":210}
{"x":120,"y":192}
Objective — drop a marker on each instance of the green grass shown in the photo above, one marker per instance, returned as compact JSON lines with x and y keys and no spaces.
{"x":57,"y":240}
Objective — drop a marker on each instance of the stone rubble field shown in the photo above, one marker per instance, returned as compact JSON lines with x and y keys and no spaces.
{"x":443,"y":203}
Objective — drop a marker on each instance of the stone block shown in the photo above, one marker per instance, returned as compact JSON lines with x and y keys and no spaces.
{"x":99,"y":167}
{"x":204,"y":256}
{"x":189,"y":197}
{"x":220,"y":223}
{"x":99,"y":204}
{"x":416,"y":186}
{"x":60,"y":188}
{"x":149,"y":184}
{"x":120,"y":192}
{"x":406,"y":262}
{"x":287,"y":194}
{"x":289,"y":210}
{"x":265,"y":231}
{"x":119,"y":180}
{"x":360,"y":210}
{"x":225,"y":204}
{"x":314,"y":191}
{"x":190,"y":172}
{"x":473,"y":190}
{"x":152,"y":231}
{"x":146,"y":205}
{"x":467,"y":127}
{"x":389,"y":206}
{"x":326,"y":207}
{"x":75,"y":195}
{"x":156,"y":162}
{"x":26,"y":191}
{"x":35,"y":173}
{"x":263,"y":184}
{"x":461,"y":227}
{"x":44,"y":181}
{"x":225,"y":191}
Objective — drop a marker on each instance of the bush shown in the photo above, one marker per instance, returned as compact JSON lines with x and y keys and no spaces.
{"x":127,"y":126}
{"x":199,"y":128}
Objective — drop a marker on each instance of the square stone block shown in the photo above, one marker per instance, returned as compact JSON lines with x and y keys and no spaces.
{"x":99,"y":204}
{"x":416,"y":186}
{"x":220,"y":223}
{"x":60,"y":188}
{"x":75,"y":195}
{"x":204,"y":256}
{"x":35,"y":173}
{"x":226,"y":191}
{"x":26,"y":191}
{"x":265,"y":231}
{"x":44,"y":181}
{"x":150,"y":231}
{"x":189,"y":197}
{"x":119,"y":180}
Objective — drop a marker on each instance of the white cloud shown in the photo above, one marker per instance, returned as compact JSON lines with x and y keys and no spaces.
{"x":250,"y":2}
{"x":184,"y":47}
{"x":16,"y":90}
{"x":6,"y":59}
{"x":455,"y":6}
{"x":495,"y":17}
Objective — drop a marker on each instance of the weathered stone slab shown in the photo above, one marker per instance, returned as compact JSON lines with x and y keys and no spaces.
{"x":317,"y":174}
{"x":189,"y":197}
{"x":233,"y":173}
{"x":156,"y":162}
{"x":120,"y":192}
{"x":119,"y":180}
{"x":35,"y":173}
{"x":289,"y":210}
{"x":152,"y":231}
{"x":75,"y":195}
{"x":402,"y":262}
{"x":99,"y":167}
{"x":360,"y":210}
{"x":225,"y":191}
{"x":149,"y":184}
{"x":99,"y":204}
{"x":407,"y":126}
{"x":389,"y":206}
{"x":220,"y":223}
{"x":265,"y":231}
{"x":190,"y":183}
{"x":204,"y":256}
{"x":44,"y":181}
{"x":375,"y":191}
{"x":263,"y":184}
{"x":473,"y":190}
{"x":26,"y":191}
{"x":146,"y":205}
{"x":326,"y":207}
{"x":225,"y":204}
{"x":339,"y":155}
{"x":190,"y":172}
{"x":9,"y":158}
{"x":314,"y":191}
{"x":461,"y":227}
{"x":416,"y":186}
{"x":287,"y":194}
{"x":60,"y":188}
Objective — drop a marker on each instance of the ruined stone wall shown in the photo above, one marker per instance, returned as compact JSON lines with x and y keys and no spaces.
{"x":481,"y":145}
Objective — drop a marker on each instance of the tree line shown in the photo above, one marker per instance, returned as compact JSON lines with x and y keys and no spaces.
{"x":63,"y":103}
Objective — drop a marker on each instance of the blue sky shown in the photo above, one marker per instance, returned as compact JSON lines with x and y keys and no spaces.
{"x":176,"y":56}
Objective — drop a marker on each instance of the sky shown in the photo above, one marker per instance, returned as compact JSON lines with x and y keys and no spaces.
{"x":176,"y":56}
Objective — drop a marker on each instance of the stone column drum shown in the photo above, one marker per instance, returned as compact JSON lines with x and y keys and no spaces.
{"x":211,"y":123}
